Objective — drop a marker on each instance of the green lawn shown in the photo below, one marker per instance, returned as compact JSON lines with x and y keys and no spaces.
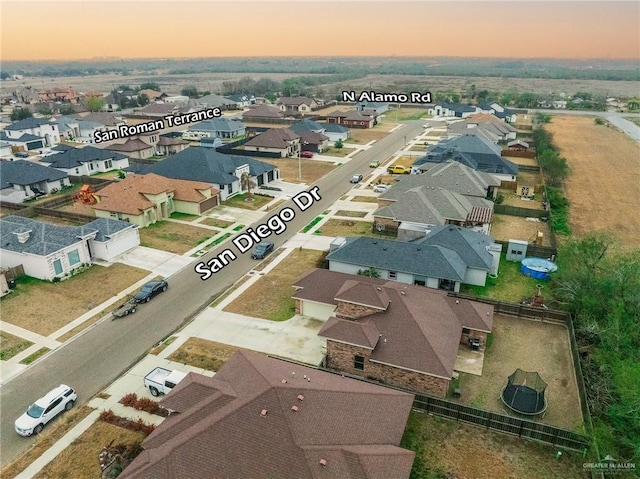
{"x":510,"y":285}
{"x":183,"y":216}
{"x":239,"y":201}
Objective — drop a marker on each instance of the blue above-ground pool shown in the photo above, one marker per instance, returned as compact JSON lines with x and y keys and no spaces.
{"x":537,"y":268}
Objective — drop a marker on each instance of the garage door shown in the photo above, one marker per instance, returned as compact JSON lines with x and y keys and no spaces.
{"x":317,"y":310}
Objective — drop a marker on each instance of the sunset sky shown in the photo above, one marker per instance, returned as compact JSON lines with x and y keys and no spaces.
{"x":62,"y":30}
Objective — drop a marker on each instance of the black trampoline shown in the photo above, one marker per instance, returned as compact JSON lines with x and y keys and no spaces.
{"x":524,"y":393}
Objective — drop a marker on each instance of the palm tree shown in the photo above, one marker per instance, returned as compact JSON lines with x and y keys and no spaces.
{"x":247,"y":183}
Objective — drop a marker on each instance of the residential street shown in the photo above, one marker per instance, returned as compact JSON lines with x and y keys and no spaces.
{"x":105,"y":351}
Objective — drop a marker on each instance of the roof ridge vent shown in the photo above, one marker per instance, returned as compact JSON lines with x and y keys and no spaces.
{"x":263,"y":413}
{"x":284,"y":381}
{"x":294,"y":408}
{"x":323,"y":462}
{"x":300,"y":397}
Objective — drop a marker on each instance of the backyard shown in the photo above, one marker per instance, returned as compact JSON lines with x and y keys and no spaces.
{"x":603,"y":187}
{"x":446,"y":449}
{"x":530,"y":346}
{"x":173,"y":237}
{"x":270,"y":296}
{"x":66,"y":300}
{"x":506,"y":227}
{"x":312,"y":170}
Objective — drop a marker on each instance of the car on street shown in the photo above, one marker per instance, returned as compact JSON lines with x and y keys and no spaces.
{"x":262,"y":250}
{"x":307,"y":154}
{"x":61,"y":398}
{"x":149,"y":290}
{"x":374,"y":164}
{"x":380,"y":188}
{"x":356,"y":178}
{"x":426,"y":125}
{"x":399,"y":170}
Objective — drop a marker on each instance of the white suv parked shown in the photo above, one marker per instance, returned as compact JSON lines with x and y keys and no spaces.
{"x":45,"y":409}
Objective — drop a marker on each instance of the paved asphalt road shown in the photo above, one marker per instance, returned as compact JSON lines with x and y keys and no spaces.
{"x":105,"y":351}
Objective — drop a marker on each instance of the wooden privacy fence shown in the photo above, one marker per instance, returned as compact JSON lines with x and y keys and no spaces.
{"x":501,"y":423}
{"x":518,"y":211}
{"x":519,"y":153}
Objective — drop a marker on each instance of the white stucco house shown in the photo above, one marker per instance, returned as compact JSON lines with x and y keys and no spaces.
{"x":35,"y":126}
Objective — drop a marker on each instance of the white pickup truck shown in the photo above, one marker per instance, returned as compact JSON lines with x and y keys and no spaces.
{"x":161,"y":380}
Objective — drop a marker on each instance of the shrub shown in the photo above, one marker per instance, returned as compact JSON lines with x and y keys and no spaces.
{"x":137,"y":426}
{"x":129,"y":400}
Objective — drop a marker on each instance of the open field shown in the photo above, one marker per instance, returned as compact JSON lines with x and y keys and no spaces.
{"x":47,"y":438}
{"x":365,"y":135}
{"x":530,"y":346}
{"x":202,"y":353}
{"x":506,"y":227}
{"x":455,"y":450}
{"x":312,"y":170}
{"x":604,"y":185}
{"x":403,"y":114}
{"x":270,"y":296}
{"x":173,"y":237}
{"x":67,"y":300}
{"x":80,"y":459}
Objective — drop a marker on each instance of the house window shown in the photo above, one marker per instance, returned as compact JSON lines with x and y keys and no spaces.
{"x":465,"y":331}
{"x":77,"y":171}
{"x":516,"y":252}
{"x":108,"y":164}
{"x":393,"y":275}
{"x":74,"y":257}
{"x":358,"y":362}
{"x":57,"y":267}
{"x":91,"y":166}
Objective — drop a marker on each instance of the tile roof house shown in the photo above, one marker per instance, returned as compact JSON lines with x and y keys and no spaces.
{"x":474,"y":152}
{"x":39,"y":127}
{"x":21,"y":180}
{"x":405,"y":336}
{"x":224,"y":128}
{"x":262,"y":113}
{"x":261,"y":417}
{"x":48,"y":251}
{"x":68,"y":95}
{"x":283,"y":141}
{"x":145,"y":199}
{"x":351,"y":119}
{"x":86,"y":161}
{"x":223,"y":171}
{"x":296,"y":105}
{"x":445,"y":258}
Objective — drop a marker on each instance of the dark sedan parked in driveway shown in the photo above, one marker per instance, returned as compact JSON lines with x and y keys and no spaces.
{"x":149,"y":290}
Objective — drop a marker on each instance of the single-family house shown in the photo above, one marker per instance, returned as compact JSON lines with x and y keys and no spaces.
{"x":351,"y":119}
{"x":155,"y":111}
{"x":491,"y":126}
{"x":222,"y":171}
{"x":78,"y":130}
{"x":503,"y":113}
{"x":21,"y":180}
{"x":39,"y":127}
{"x":145,"y":199}
{"x":263,"y":417}
{"x":420,"y":207}
{"x":402,"y":335}
{"x":63,"y":95}
{"x":312,"y":141}
{"x":135,"y":148}
{"x":216,"y":101}
{"x":375,"y":107}
{"x":332,"y":131}
{"x":25,"y":142}
{"x":296,"y":105}
{"x":473,"y":151}
{"x":5,"y":150}
{"x":153,"y":95}
{"x":88,"y":161}
{"x":455,"y":110}
{"x":243,"y":99}
{"x":336,"y":132}
{"x":427,"y":261}
{"x":282,"y":141}
{"x":171,"y":143}
{"x":262,"y":113}
{"x":47,"y":251}
{"x":224,"y":128}
{"x":518,"y":145}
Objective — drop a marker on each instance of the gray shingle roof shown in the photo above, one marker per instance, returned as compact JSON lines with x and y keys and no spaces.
{"x":307,"y":125}
{"x":402,"y":257}
{"x":205,"y":164}
{"x":240,"y":424}
{"x":23,"y":172}
{"x":25,"y":137}
{"x":470,"y":150}
{"x":107,"y":227}
{"x":74,"y":157}
{"x":470,"y":245}
{"x":44,"y":238}
{"x":28,"y":123}
{"x":334,"y":128}
{"x":218,"y":124}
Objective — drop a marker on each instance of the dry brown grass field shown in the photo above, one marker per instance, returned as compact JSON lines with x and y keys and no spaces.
{"x":604,"y":185}
{"x":312,"y":170}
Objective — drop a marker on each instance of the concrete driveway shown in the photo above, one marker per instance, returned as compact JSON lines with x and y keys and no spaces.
{"x":159,"y":262}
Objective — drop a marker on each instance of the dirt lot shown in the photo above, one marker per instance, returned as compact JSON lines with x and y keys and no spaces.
{"x":312,"y":170}
{"x":531,"y":346}
{"x":202,"y":353}
{"x":78,"y":208}
{"x":270,"y":296}
{"x":463,"y":451}
{"x":173,"y":237}
{"x":65,"y":300}
{"x":80,"y":459}
{"x":603,"y":188}
{"x":366,"y":135}
{"x":506,"y":227}
{"x":403,"y":114}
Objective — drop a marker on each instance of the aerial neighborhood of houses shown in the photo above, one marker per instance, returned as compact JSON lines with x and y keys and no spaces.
{"x":376,"y":302}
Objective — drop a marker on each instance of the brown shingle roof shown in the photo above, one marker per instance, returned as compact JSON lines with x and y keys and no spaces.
{"x":263,"y":111}
{"x":274,"y":138}
{"x":128,"y":196}
{"x":168,"y":141}
{"x":419,"y":329}
{"x":132,"y":144}
{"x":353,"y":427}
{"x":295,"y":100}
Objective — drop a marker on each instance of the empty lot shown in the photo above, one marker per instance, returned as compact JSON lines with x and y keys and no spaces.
{"x":604,"y":186}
